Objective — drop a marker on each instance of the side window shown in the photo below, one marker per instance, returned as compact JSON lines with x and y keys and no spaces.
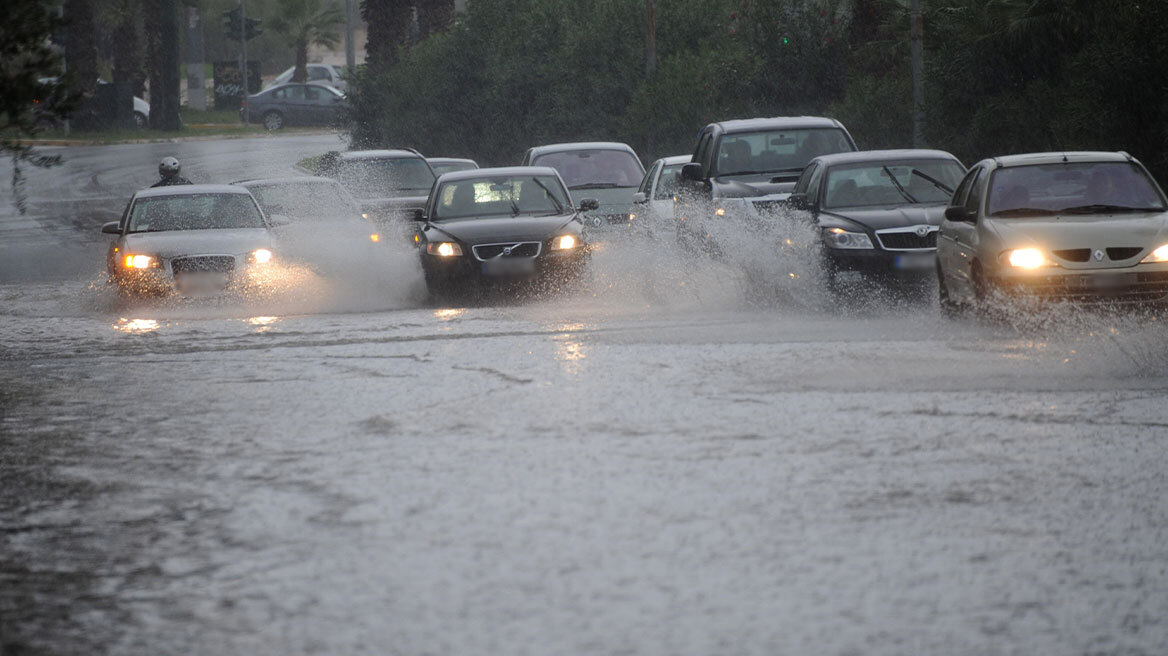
{"x":295,"y":92}
{"x":314,"y":93}
{"x":962,"y":190}
{"x":709,"y":156}
{"x":702,"y":151}
{"x":813,"y":185}
{"x":280,"y":94}
{"x":318,"y":73}
{"x":976,"y":191}
{"x":647,"y":181}
{"x":804,"y":179}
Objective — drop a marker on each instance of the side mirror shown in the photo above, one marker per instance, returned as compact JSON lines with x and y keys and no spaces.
{"x":958,"y":213}
{"x":279,"y":220}
{"x":589,"y":204}
{"x":418,"y":214}
{"x":799,"y":201}
{"x":692,"y":171}
{"x":111,"y":228}
{"x":639,"y":197}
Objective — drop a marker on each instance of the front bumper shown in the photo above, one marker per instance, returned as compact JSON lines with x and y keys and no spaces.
{"x":242,"y":278}
{"x":551,"y":266}
{"x":880,"y":262}
{"x":1142,"y":284}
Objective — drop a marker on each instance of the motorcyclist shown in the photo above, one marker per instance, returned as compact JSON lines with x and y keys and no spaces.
{"x":168,"y":168}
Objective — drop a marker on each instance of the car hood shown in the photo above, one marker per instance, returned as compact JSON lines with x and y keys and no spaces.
{"x":173,"y":243}
{"x":392,"y":203}
{"x":901,"y":216}
{"x":485,"y":231}
{"x":612,"y":200}
{"x":750,"y":187}
{"x":1148,"y":230}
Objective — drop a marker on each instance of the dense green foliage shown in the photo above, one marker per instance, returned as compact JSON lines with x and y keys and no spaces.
{"x":1001,"y":75}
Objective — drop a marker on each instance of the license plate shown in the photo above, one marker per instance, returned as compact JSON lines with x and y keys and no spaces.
{"x":1106,"y":282}
{"x":914,"y":261}
{"x":509,"y":266}
{"x":201,"y":283}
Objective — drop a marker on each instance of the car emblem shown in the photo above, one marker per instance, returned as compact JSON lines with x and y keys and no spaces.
{"x":506,"y":250}
{"x":596,"y":221}
{"x":922,"y":231}
{"x":1098,"y":255}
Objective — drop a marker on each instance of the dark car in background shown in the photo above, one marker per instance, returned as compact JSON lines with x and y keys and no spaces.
{"x":500,"y":226}
{"x":878,"y":211}
{"x":295,"y":104}
{"x":389,"y":184}
{"x":606,"y":171}
{"x":449,"y":164}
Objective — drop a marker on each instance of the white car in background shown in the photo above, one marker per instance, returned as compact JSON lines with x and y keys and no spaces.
{"x":655,"y":195}
{"x":326,"y":74}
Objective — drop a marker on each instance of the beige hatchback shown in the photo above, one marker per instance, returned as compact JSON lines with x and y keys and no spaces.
{"x":1077,"y":226}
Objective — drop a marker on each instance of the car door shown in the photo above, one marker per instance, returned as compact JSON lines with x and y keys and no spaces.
{"x":665,"y":186}
{"x":295,"y":104}
{"x":642,"y":199}
{"x":318,"y":105}
{"x":957,"y":241}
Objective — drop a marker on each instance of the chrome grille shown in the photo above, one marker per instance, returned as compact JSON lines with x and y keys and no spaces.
{"x":203,"y":263}
{"x":907,"y":239}
{"x":525,"y":249}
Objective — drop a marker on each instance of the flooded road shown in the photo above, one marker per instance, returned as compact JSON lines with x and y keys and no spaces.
{"x":659,"y":463}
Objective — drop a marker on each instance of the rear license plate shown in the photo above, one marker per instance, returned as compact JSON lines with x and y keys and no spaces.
{"x":509,"y":266}
{"x":913,"y":261}
{"x":201,"y":283}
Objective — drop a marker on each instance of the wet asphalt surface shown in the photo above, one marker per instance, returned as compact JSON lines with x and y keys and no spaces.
{"x":680,"y":457}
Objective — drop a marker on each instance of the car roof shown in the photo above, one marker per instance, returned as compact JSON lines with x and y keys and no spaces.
{"x":789,"y":122}
{"x":286,"y":180}
{"x":497,"y":171}
{"x":451,"y":160}
{"x":1024,"y":159}
{"x":388,"y":153}
{"x":581,"y":145}
{"x":676,"y":159}
{"x":192,"y":189}
{"x":861,"y":156}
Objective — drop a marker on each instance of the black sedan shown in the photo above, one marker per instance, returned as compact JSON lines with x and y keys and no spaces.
{"x":878,"y":211}
{"x":494,"y":227}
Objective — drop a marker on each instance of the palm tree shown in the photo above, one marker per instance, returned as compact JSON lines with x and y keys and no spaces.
{"x":306,"y":22}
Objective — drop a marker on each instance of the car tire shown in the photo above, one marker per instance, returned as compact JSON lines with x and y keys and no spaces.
{"x":273,"y":120}
{"x":949,"y":307}
{"x":141,"y":120}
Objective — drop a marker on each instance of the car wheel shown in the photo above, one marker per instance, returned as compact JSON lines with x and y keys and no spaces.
{"x":140,"y":120}
{"x":273,"y":120}
{"x":949,"y":307}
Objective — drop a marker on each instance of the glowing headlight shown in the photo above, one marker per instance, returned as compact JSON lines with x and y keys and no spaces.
{"x":444,"y":249}
{"x":1027,"y":258}
{"x":261,"y":256}
{"x":840,"y":238}
{"x":375,"y":237}
{"x":139,"y":262}
{"x":563,"y":242}
{"x":365,"y":215}
{"x":632,"y":216}
{"x":721,"y":211}
{"x":1158,"y":255}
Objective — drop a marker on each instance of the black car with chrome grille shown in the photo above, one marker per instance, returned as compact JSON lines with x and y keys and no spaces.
{"x":500,"y":226}
{"x":878,"y":211}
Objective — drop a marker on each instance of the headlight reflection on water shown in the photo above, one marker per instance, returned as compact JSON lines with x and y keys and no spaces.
{"x":135,"y":326}
{"x":448,"y":313}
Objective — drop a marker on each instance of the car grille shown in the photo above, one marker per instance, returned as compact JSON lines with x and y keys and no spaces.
{"x":528,"y":249}
{"x":1126,"y":287}
{"x":1074,"y":254}
{"x":767,"y":206}
{"x":1117,"y":254}
{"x":203,"y":263}
{"x":907,"y":240}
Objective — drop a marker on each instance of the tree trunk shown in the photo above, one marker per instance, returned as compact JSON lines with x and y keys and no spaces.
{"x":81,"y":58}
{"x":152,"y":25}
{"x":301,"y":73}
{"x":389,"y":25}
{"x":171,"y":44}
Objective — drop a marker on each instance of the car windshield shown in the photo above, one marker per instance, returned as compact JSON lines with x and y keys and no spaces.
{"x":774,"y":151}
{"x":1072,"y":187}
{"x":500,"y":196}
{"x":195,"y":212}
{"x":667,"y":184}
{"x":447,"y":167}
{"x":594,"y":168}
{"x":902,"y":182}
{"x":386,"y":178}
{"x":309,"y":202}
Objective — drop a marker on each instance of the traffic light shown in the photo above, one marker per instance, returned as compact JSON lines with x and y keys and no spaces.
{"x":232,"y":28}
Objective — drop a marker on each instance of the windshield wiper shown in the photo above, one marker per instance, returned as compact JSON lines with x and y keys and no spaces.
{"x":1025,"y":211}
{"x":898,"y":186}
{"x":936,"y":183}
{"x":595,"y":185}
{"x":514,"y":206}
{"x":1100,"y":208}
{"x":559,"y":205}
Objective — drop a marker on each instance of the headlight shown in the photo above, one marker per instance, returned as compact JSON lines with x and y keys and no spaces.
{"x":365,"y":215}
{"x":840,"y":238}
{"x":261,"y":256}
{"x":1158,"y":255}
{"x":563,"y":242}
{"x":1027,"y":258}
{"x":375,"y":237}
{"x":444,"y":249}
{"x":140,"y":262}
{"x":721,"y":211}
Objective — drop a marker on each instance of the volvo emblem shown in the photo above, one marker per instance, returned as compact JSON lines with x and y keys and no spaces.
{"x":506,"y":250}
{"x":922,"y":231}
{"x":1098,"y":255}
